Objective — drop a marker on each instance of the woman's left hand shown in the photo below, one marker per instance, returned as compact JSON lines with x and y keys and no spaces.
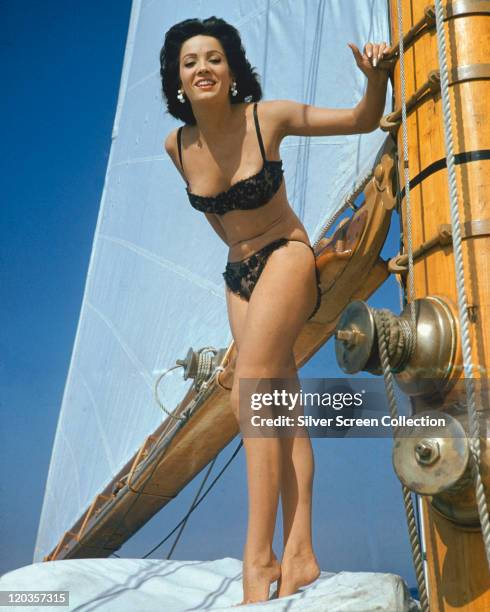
{"x":368,"y":61}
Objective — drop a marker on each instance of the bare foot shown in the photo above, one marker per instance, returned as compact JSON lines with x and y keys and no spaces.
{"x":297,"y":571}
{"x":257,"y":580}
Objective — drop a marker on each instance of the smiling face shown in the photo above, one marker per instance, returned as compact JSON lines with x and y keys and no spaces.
{"x":203,"y":69}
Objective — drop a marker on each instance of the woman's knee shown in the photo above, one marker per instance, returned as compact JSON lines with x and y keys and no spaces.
{"x":258,"y":361}
{"x":235,"y":397}
{"x":246,"y":384}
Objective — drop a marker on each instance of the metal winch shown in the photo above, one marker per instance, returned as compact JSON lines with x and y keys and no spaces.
{"x":422,"y":360}
{"x":433,"y":457}
{"x":201,"y":366}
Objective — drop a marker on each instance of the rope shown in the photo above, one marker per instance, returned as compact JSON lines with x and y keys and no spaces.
{"x":474,"y":426}
{"x":204,"y":365}
{"x":193,"y":504}
{"x":301,"y":177}
{"x":388,"y":376}
{"x":382,"y":327}
{"x":203,"y":376}
{"x":347,"y":203}
{"x":157,"y":399}
{"x":196,"y":504}
{"x":202,"y":394}
{"x":202,"y":381}
{"x":408,"y":207}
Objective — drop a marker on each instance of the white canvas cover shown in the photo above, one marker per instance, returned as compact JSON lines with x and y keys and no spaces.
{"x":154,"y":286}
{"x":129,"y":585}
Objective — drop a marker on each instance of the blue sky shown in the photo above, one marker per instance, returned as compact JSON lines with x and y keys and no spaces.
{"x":62,"y":63}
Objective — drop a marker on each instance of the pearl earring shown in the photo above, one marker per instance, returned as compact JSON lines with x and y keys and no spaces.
{"x":180,"y":96}
{"x":233,"y":89}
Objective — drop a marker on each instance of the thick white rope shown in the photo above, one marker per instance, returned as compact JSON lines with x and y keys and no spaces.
{"x":408,"y":207}
{"x":383,"y":333}
{"x":414,"y":535}
{"x":474,"y":426}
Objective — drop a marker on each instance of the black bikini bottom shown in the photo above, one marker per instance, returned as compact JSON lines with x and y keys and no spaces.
{"x":242,"y":276}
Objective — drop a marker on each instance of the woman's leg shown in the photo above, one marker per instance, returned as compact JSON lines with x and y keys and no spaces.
{"x":299,"y":565}
{"x":261,"y":566}
{"x":263,"y":456}
{"x":280,"y":305}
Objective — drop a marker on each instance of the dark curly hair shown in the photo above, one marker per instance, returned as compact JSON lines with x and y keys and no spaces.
{"x":249,"y":89}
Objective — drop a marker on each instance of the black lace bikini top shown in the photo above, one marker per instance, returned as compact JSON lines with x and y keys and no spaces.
{"x":247,"y":194}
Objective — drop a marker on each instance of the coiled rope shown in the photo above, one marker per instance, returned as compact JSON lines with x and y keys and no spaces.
{"x":201,"y":382}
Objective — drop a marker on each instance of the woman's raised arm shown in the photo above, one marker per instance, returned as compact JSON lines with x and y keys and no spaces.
{"x":295,"y":119}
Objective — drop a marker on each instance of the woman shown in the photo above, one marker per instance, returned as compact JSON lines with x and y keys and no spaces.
{"x":228,"y":154}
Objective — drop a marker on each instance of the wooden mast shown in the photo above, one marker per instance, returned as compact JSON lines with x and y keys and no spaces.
{"x":458,"y":576}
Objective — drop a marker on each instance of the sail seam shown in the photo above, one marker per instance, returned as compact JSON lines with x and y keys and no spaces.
{"x":66,"y":441}
{"x":105,"y":441}
{"x":147,"y":77}
{"x":136,"y":160}
{"x":165,"y":263}
{"x":139,"y":366}
{"x":250,"y":17}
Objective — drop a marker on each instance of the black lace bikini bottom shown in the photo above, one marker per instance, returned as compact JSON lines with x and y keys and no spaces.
{"x":242,"y":276}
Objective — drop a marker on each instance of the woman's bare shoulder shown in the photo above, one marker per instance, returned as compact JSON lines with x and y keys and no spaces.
{"x":171,"y":147}
{"x":271,"y":105}
{"x":170,"y":142}
{"x":275,"y":112}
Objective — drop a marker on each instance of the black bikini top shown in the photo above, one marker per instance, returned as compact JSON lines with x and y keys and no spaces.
{"x":247,"y":194}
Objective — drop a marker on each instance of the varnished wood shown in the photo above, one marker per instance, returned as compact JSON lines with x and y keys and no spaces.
{"x":458,"y":571}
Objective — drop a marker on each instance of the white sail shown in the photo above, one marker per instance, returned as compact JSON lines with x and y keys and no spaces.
{"x":154,"y":286}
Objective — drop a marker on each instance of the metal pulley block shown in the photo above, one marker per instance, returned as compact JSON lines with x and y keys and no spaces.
{"x":432,"y":459}
{"x":421,"y":360}
{"x":437,"y":462}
